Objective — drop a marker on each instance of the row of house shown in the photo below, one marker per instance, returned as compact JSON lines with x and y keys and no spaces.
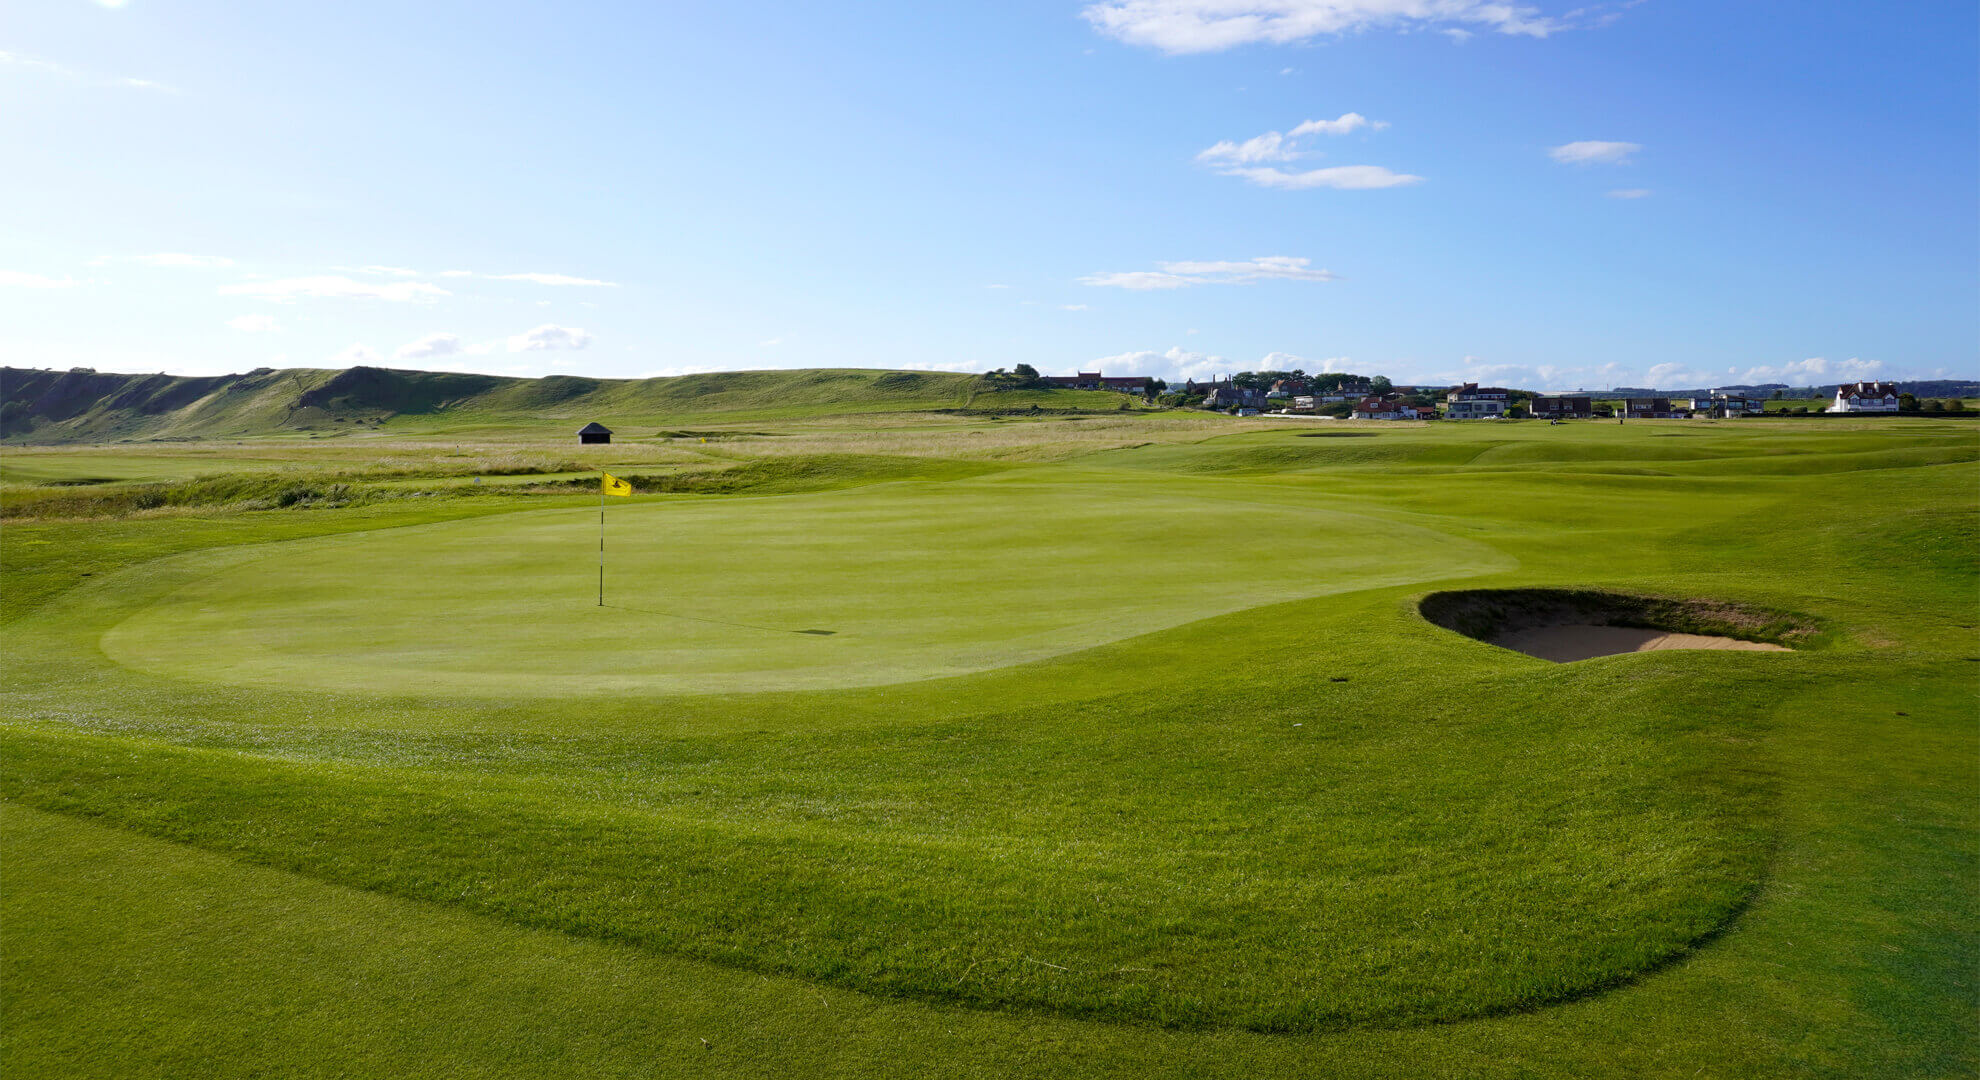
{"x":1469,"y":401}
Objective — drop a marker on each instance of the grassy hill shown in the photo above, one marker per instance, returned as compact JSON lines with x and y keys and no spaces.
{"x":40,"y":406}
{"x":1136,"y":762}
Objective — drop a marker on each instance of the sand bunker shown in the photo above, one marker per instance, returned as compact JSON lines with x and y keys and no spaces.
{"x":1564,"y":644}
{"x":1564,"y":625}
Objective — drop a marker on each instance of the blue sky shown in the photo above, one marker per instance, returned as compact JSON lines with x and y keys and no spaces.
{"x":1555,"y":196}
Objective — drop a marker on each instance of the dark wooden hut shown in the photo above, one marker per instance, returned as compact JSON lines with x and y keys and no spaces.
{"x":594,"y":432}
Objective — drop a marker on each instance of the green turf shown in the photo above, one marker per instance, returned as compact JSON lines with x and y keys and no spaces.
{"x":1261,"y":819}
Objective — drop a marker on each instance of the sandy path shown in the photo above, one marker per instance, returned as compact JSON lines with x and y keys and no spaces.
{"x":1563,"y":644}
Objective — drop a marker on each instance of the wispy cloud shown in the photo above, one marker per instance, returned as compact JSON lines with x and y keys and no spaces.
{"x":174,"y":260}
{"x":430,"y":346}
{"x":26,"y":62}
{"x":1341,"y":177}
{"x":1594,"y":152}
{"x":1179,"y":275}
{"x":1630,"y":193}
{"x":1197,"y":26}
{"x":1072,"y":307}
{"x":21,"y":279}
{"x":1275,"y":146}
{"x":285,"y":290}
{"x":381,"y":271}
{"x":254,"y":324}
{"x":549,"y":337}
{"x":552,"y":279}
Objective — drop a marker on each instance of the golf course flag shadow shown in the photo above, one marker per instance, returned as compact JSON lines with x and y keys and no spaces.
{"x":607,"y":485}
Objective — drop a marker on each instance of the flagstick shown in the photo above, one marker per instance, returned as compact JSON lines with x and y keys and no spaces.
{"x":601,"y":539}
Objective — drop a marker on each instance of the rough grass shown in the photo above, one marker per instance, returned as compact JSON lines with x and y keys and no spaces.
{"x":1318,"y":825}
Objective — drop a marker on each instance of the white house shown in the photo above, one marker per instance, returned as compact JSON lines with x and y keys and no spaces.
{"x":1866,"y":397}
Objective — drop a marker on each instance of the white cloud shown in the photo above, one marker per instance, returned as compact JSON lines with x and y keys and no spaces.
{"x":355,"y":356}
{"x":1676,"y":376}
{"x":552,"y":279}
{"x":1195,"y":26}
{"x":1344,"y":124}
{"x":21,"y":279}
{"x":1341,"y":177}
{"x":1072,"y":307}
{"x":1175,"y":364}
{"x":1138,"y":280}
{"x":1630,"y":193}
{"x":1177,"y":275}
{"x":996,"y":286}
{"x":456,"y":273}
{"x":1281,"y":361}
{"x":1594,"y":152}
{"x":254,"y":324}
{"x":382,"y":271}
{"x":285,"y":290}
{"x":1815,"y":369}
{"x":770,"y":343}
{"x":1270,"y":146}
{"x":548,"y":337}
{"x":174,"y":260}
{"x":430,"y":346}
{"x":1273,"y":146}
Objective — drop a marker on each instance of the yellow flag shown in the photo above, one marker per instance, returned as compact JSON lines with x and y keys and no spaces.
{"x":615,"y":486}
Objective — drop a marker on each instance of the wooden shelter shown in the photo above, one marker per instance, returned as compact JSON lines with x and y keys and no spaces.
{"x":594,"y":432}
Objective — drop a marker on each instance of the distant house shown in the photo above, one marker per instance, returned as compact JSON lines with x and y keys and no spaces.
{"x":1718,"y":404}
{"x":594,"y":432}
{"x":1234,"y":397}
{"x":1652,"y":408}
{"x":1866,"y":397}
{"x":1563,"y":407}
{"x":1383,"y":408}
{"x":1471,"y":402}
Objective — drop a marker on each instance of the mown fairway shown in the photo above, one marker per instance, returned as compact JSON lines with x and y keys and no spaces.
{"x":1134,"y":761}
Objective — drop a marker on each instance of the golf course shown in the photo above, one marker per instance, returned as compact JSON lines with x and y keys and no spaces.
{"x":916,"y":734}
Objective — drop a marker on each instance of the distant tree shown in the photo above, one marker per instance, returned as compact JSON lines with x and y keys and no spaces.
{"x":1381,"y":384}
{"x":1025,"y":374}
{"x":1907,"y":403}
{"x":1933,"y":405}
{"x":1158,"y":385}
{"x":1778,"y":394}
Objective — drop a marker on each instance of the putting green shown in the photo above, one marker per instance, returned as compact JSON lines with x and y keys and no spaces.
{"x":857,"y":588}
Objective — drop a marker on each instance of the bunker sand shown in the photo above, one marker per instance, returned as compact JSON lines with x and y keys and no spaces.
{"x":1566,"y":644}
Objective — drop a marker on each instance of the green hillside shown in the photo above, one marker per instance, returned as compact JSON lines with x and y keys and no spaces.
{"x":41,"y":406}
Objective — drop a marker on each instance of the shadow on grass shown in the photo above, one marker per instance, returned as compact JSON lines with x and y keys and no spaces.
{"x":719,"y":622}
